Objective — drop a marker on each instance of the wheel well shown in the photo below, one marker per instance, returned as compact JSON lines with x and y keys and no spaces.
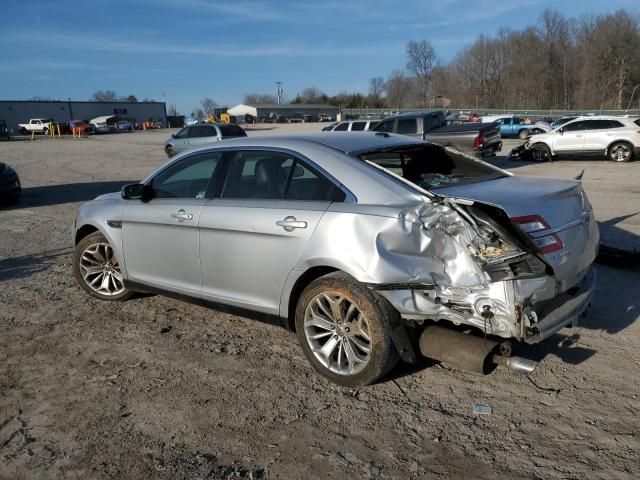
{"x":84,"y":231}
{"x":305,"y":279}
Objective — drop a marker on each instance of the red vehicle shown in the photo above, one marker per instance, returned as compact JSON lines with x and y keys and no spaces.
{"x":80,"y":127}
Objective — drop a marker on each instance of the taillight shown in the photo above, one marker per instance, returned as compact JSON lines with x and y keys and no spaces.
{"x":478,"y":142}
{"x":534,"y":226}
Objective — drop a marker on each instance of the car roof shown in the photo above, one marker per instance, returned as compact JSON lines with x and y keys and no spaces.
{"x":601,"y":117}
{"x":417,"y":113}
{"x":346,"y":142}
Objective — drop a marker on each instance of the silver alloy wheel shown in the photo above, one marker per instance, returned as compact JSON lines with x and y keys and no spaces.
{"x":338,"y":333}
{"x":620,"y":153}
{"x":100,"y":270}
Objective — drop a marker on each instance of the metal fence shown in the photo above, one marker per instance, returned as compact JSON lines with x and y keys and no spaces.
{"x":383,"y":112}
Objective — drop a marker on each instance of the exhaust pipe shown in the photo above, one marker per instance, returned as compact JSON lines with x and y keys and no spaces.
{"x":520,"y":365}
{"x":468,"y":352}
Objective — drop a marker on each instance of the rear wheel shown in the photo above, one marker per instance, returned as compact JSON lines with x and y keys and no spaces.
{"x":45,"y":131}
{"x":344,"y":330}
{"x":540,"y":152}
{"x":97,"y":269}
{"x":620,"y":152}
{"x":523,"y":134}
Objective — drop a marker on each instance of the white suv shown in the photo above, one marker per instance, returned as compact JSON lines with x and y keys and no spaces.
{"x":617,"y":138}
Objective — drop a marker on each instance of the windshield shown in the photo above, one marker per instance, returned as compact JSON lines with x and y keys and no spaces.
{"x":431,"y":166}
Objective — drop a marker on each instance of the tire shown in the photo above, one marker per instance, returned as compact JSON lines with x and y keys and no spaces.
{"x":359,"y":320}
{"x":171,"y":152}
{"x":620,"y":152}
{"x":523,"y":134}
{"x":87,"y":255}
{"x":45,"y":131}
{"x":544,"y":153}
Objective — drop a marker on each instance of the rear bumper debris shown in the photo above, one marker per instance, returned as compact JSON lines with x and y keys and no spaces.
{"x":568,"y":314}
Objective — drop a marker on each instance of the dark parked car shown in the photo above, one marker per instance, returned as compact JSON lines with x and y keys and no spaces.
{"x":475,"y":138}
{"x":10,"y":188}
{"x":4,"y":131}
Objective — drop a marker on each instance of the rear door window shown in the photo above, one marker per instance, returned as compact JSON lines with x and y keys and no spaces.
{"x":407,"y":126}
{"x":358,"y":126}
{"x":431,"y":122}
{"x":386,"y":126}
{"x":230,"y":130}
{"x":276,"y":176}
{"x":598,"y":124}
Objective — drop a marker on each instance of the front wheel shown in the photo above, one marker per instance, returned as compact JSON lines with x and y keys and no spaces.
{"x":97,"y":269}
{"x":620,"y":152}
{"x":344,"y":330}
{"x":170,"y":151}
{"x":540,"y":152}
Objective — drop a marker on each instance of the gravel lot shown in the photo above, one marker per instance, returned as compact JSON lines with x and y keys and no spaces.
{"x":157,"y":388}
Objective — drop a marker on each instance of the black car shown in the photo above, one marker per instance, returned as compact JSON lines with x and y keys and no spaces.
{"x":4,"y":131}
{"x":10,"y":188}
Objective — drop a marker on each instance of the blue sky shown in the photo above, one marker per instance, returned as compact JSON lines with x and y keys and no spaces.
{"x":189,"y":49}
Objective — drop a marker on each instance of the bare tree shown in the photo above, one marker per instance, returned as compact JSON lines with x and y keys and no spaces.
{"x":400,"y":90}
{"x":173,"y":109}
{"x":259,"y":98}
{"x":105,"y":96}
{"x":376,"y":87}
{"x":311,"y":95}
{"x":208,"y":105}
{"x":421,"y":60}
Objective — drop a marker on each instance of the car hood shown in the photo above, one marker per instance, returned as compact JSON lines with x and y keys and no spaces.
{"x":109,"y":196}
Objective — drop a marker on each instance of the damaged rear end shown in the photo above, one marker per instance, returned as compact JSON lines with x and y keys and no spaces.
{"x":509,"y":256}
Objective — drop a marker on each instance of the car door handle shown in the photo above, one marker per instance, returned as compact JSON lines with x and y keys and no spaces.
{"x":181,"y":215}
{"x":290,"y":223}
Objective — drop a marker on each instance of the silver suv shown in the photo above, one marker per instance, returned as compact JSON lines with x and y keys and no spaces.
{"x":357,"y":241}
{"x":196,"y":136}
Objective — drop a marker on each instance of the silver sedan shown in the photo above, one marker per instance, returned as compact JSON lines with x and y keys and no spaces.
{"x":359,"y":243}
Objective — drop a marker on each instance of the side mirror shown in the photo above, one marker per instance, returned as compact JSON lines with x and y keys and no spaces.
{"x":134,"y":191}
{"x":561,"y":131}
{"x":173,"y":135}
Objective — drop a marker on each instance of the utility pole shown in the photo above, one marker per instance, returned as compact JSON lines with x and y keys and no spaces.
{"x":279,"y":92}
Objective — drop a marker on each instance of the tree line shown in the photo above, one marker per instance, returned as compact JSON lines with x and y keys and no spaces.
{"x":591,"y":62}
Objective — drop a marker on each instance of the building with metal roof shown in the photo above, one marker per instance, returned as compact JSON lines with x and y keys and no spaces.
{"x":287,"y":109}
{"x":20,"y":111}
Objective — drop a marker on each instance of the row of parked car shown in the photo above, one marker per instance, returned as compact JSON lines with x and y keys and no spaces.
{"x":617,"y":138}
{"x":614,"y":137}
{"x":103,"y":124}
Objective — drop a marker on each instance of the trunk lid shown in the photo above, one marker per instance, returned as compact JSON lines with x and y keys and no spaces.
{"x":561,"y":203}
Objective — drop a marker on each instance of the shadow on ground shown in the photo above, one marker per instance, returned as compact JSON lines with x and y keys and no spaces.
{"x":27,"y":265}
{"x":65,"y":193}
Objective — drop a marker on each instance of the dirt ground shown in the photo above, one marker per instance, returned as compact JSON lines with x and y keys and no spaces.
{"x":157,"y":388}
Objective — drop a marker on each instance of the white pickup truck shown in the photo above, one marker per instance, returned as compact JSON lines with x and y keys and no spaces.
{"x":38,"y":125}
